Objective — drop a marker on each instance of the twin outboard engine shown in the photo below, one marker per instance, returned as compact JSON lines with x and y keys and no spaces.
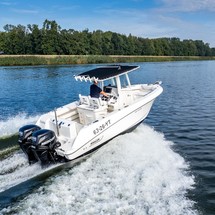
{"x":39,"y":144}
{"x":25,"y":134}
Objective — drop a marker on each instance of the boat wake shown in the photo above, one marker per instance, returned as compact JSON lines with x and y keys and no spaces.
{"x":15,"y":169}
{"x":11,"y":125}
{"x":135,"y":173}
{"x":14,"y":164}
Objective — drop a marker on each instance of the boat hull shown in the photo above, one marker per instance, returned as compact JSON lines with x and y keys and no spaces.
{"x":97,"y":134}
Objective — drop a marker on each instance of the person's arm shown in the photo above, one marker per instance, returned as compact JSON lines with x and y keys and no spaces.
{"x":104,"y":93}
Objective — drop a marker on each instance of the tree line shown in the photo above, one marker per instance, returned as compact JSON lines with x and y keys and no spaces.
{"x":52,"y":39}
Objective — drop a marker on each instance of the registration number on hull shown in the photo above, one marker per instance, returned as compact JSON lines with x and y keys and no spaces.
{"x":102,"y":127}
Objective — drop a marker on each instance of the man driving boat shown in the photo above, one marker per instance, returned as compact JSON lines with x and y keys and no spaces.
{"x":95,"y":90}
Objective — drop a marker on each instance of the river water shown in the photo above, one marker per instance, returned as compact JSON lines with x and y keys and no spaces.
{"x":165,"y":166}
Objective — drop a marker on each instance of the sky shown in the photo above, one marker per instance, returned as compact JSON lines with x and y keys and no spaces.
{"x":184,"y":19}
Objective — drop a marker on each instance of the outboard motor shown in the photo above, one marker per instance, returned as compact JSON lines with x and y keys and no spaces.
{"x":25,"y":134}
{"x":44,"y":143}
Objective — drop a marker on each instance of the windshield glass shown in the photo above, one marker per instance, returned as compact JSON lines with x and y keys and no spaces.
{"x":110,"y":82}
{"x":124,"y":81}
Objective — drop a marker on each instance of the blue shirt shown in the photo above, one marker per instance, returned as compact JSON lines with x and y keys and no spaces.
{"x":95,"y":91}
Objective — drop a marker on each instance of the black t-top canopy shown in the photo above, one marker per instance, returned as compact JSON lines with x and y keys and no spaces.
{"x":107,"y":72}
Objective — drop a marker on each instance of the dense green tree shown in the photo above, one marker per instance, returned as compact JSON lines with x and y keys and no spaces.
{"x":2,"y":41}
{"x":35,"y":37}
{"x":140,"y":45}
{"x":107,"y":45}
{"x":66,"y":41}
{"x":96,"y":42}
{"x":131,"y":45}
{"x":84,"y":42}
{"x":148,"y":47}
{"x":15,"y":40}
{"x":176,"y":47}
{"x":212,"y":52}
{"x":189,"y":48}
{"x":118,"y":44}
{"x":203,"y":49}
{"x":51,"y":39}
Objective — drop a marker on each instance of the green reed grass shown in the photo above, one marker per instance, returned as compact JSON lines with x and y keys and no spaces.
{"x":31,"y":60}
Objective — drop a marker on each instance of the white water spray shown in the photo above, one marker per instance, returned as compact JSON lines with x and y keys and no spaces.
{"x":15,"y":168}
{"x":11,"y":125}
{"x":136,"y":173}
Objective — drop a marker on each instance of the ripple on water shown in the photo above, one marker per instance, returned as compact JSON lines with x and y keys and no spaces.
{"x":136,"y":173}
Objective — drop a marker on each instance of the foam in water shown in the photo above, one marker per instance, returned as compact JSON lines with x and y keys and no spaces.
{"x":137,"y":173}
{"x":11,"y":125}
{"x":17,"y":169}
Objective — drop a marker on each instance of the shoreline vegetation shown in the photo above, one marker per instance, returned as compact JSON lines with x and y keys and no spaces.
{"x":51,"y":45}
{"x":34,"y":60}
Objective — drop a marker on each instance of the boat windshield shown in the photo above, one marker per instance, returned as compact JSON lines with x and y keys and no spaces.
{"x":124,"y":81}
{"x":110,"y":82}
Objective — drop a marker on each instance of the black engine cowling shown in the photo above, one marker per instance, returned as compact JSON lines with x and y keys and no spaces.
{"x":25,"y":134}
{"x":26,"y":131}
{"x":44,"y":143}
{"x":39,"y":144}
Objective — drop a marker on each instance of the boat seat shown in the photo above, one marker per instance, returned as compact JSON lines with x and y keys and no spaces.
{"x":84,"y":100}
{"x":66,"y":127}
{"x":97,"y":103}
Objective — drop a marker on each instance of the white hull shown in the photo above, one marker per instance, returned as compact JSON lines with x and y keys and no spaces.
{"x":77,"y":139}
{"x":115,"y":126}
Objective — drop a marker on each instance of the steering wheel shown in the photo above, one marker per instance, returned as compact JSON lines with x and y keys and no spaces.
{"x":104,"y":98}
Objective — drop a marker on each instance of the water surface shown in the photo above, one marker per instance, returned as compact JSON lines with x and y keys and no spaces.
{"x":166,"y":166}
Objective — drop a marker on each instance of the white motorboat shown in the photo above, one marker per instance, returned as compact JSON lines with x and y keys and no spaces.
{"x":83,"y":126}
